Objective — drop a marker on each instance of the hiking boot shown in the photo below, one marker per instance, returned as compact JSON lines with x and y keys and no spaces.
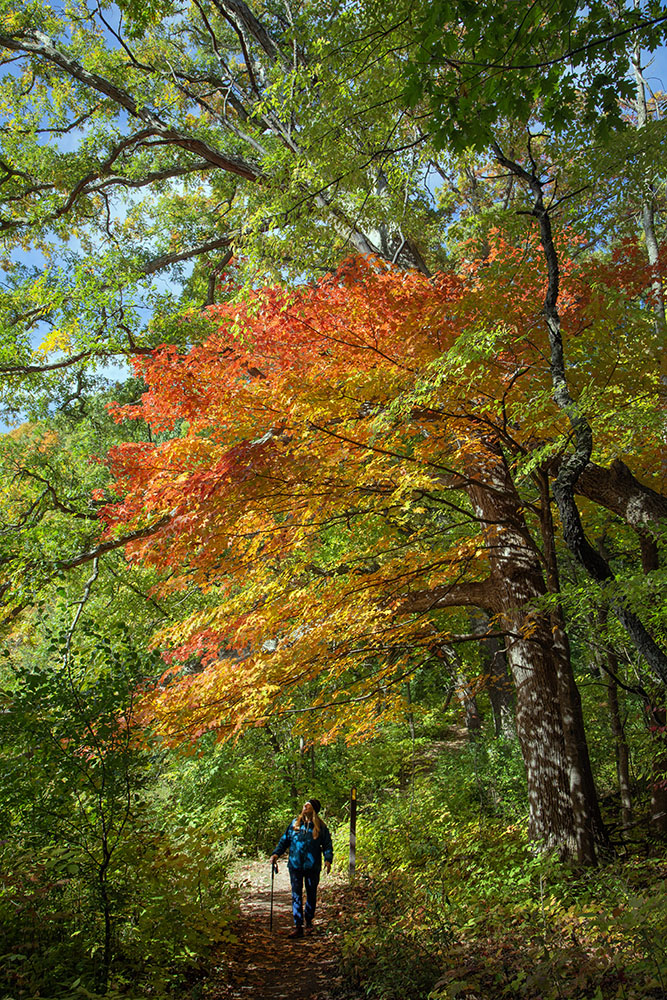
{"x":309,"y":927}
{"x":296,"y":933}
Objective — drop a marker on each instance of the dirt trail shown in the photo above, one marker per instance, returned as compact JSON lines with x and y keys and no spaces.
{"x":267,"y":964}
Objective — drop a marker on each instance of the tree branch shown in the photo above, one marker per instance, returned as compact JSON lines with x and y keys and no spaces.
{"x":115,"y":543}
{"x":572,"y":465}
{"x":619,"y":491}
{"x":247,"y":20}
{"x":174,"y":258}
{"x":479,"y":594}
{"x":47,"y":367}
{"x":57,"y":502}
{"x":37,"y":43}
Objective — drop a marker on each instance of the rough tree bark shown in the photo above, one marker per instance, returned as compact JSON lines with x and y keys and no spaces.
{"x":563,"y":808}
{"x":573,"y":464}
{"x":564,"y":812}
{"x":585,"y":803}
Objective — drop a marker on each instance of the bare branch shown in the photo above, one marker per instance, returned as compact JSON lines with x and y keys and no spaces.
{"x":115,"y":543}
{"x":174,"y":258}
{"x":47,"y":367}
{"x":479,"y":594}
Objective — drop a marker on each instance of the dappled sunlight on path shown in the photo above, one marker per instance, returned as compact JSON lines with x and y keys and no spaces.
{"x":267,"y":964}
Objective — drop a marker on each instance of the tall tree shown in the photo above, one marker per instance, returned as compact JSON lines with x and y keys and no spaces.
{"x":566,"y":69}
{"x":352,"y":467}
{"x":181,"y":135}
{"x":137,"y":142}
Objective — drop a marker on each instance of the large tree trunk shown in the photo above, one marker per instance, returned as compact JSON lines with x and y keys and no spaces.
{"x":563,"y":808}
{"x":591,"y":831}
{"x":592,"y":835}
{"x":564,"y":812}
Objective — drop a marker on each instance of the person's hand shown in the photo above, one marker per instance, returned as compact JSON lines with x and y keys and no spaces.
{"x":274,"y":860}
{"x":327,"y":866}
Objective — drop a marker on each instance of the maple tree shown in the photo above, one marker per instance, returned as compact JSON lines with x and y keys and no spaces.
{"x":343,"y":462}
{"x":337,"y":499}
{"x":483,"y":64}
{"x":230,"y":152}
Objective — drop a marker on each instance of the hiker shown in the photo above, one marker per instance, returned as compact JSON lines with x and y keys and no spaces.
{"x":308,"y":840}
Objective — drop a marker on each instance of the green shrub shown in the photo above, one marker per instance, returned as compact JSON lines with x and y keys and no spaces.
{"x":447,"y":907}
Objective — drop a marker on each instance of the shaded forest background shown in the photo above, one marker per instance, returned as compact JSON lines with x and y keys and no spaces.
{"x":332,"y":369}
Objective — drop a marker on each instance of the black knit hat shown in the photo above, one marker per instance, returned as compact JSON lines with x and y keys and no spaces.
{"x":316,"y":804}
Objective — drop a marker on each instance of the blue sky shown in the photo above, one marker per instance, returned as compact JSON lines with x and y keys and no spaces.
{"x":656,"y":74}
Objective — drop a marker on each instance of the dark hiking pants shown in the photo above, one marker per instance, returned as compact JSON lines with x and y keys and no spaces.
{"x":311,"y":879}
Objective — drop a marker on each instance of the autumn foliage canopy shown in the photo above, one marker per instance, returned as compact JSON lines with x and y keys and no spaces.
{"x":310,"y":459}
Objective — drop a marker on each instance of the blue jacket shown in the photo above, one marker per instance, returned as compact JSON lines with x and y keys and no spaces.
{"x":305,"y":854}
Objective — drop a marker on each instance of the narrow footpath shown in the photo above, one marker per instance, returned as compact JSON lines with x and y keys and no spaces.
{"x":265,"y":964}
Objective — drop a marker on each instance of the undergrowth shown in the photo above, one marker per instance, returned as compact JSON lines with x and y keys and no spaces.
{"x":446,"y":910}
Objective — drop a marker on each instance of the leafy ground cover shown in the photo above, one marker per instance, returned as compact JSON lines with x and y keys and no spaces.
{"x":486,"y":920}
{"x":449,"y":902}
{"x":483,"y":921}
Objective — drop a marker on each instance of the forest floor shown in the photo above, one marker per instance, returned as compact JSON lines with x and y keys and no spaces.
{"x":265,"y":964}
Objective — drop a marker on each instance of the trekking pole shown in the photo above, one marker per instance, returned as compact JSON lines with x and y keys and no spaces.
{"x":274,"y":870}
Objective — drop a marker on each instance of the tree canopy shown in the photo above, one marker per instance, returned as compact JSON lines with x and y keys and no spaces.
{"x":331,"y":351}
{"x":329,"y":521}
{"x":564,"y":66}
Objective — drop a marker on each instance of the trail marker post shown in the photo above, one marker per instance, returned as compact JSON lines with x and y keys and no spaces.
{"x":274,"y":869}
{"x":353,"y":831}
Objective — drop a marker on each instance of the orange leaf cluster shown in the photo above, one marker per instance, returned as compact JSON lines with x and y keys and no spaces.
{"x":310,"y":456}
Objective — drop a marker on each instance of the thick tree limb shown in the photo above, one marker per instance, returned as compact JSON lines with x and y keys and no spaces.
{"x":42,"y":369}
{"x":573,"y":464}
{"x":37,"y":43}
{"x":477,"y":594}
{"x":174,"y":258}
{"x":47,"y":367}
{"x":98,"y":181}
{"x":95,"y":182}
{"x":619,"y":491}
{"x":115,"y":543}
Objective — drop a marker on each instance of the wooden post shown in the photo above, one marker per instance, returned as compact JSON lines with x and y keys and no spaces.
{"x":353,"y":831}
